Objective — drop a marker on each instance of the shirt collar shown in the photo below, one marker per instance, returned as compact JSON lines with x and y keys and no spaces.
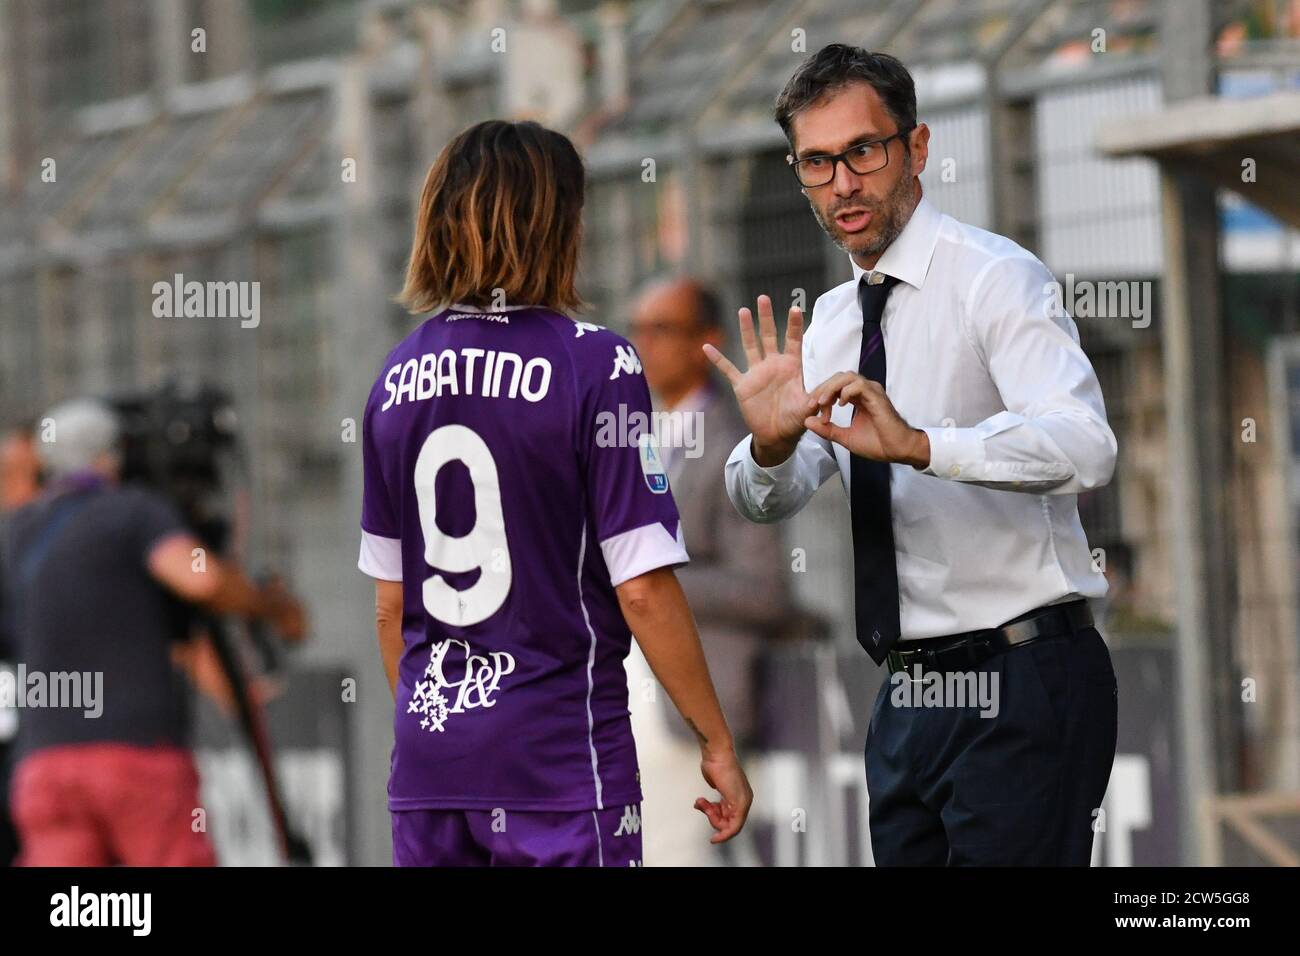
{"x":474,"y":309}
{"x":908,"y":257}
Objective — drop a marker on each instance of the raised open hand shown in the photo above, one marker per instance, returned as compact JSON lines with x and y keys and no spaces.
{"x":770,"y":391}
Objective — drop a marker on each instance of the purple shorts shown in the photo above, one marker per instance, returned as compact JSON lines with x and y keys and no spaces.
{"x":609,"y":837}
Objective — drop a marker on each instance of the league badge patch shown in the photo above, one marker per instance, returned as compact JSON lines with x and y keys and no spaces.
{"x":652,"y":466}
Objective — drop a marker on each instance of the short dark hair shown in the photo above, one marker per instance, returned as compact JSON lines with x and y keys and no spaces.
{"x":834,"y":67}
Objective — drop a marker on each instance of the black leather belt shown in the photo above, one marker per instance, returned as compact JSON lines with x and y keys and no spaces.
{"x":971,"y":648}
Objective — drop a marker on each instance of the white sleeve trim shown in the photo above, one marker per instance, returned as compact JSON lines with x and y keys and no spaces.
{"x":642,"y":549}
{"x":381,"y":557}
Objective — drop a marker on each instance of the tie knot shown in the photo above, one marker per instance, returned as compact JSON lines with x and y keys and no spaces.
{"x":872,"y":295}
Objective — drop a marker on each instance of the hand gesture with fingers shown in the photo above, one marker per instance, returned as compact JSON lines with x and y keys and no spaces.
{"x":770,"y":391}
{"x":727,"y":814}
{"x":877,"y":430}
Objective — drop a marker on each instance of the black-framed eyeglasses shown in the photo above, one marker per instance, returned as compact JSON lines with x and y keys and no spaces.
{"x":865,"y":157}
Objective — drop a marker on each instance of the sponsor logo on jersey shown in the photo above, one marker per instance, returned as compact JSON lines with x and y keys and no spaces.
{"x":437,"y":698}
{"x":652,"y":465}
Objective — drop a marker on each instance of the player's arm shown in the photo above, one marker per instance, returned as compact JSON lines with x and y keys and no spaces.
{"x":388,"y":627}
{"x":656,"y":612}
{"x":636,"y":522}
{"x":381,"y":543}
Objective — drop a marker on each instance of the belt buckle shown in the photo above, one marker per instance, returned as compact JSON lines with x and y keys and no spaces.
{"x":927,"y":657}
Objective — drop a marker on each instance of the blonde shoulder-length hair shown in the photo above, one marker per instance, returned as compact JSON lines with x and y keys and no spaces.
{"x":500,"y":221}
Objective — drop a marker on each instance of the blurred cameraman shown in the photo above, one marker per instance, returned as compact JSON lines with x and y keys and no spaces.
{"x":20,"y":482}
{"x":99,"y":576}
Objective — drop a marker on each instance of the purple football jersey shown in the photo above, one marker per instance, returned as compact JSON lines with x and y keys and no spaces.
{"x":508,"y":487}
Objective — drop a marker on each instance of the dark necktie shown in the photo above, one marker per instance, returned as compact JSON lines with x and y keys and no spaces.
{"x":875,"y":571}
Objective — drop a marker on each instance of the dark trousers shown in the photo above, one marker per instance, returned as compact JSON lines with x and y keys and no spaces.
{"x":1021,"y":788}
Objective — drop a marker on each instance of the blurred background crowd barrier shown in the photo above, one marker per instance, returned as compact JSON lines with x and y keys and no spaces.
{"x":1146,"y":150}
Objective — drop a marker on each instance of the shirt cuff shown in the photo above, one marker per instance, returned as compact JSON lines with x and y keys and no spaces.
{"x":643,"y":549}
{"x":953,"y":451}
{"x":766,"y":477}
{"x":381,"y":557}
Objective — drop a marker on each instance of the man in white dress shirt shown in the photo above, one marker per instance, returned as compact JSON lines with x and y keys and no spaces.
{"x":946,"y":386}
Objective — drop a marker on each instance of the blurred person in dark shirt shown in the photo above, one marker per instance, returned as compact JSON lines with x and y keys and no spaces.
{"x":99,"y":577}
{"x":20,"y":483}
{"x":734,"y":584}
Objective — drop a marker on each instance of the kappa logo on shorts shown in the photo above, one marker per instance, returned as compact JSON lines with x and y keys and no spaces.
{"x":625,"y":360}
{"x":631,"y":822}
{"x":652,"y":466}
{"x":438,"y":698}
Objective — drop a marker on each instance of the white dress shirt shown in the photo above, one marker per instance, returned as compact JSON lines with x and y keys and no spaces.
{"x":981,"y":356}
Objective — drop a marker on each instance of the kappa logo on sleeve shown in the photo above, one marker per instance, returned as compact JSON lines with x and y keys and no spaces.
{"x":625,"y":360}
{"x":585,"y":327}
{"x":652,"y":465}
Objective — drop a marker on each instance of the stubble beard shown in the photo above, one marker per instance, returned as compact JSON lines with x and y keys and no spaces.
{"x":888,"y":218}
